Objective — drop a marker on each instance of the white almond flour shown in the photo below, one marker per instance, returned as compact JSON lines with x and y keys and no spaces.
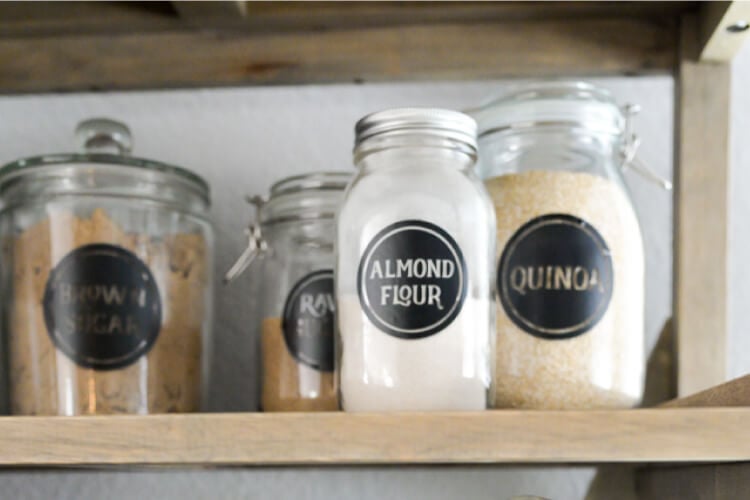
{"x":603,"y":367}
{"x":445,"y":371}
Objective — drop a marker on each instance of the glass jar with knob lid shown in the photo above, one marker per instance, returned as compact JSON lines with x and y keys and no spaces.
{"x":294,"y":235}
{"x":107,"y":280}
{"x":570,"y":276}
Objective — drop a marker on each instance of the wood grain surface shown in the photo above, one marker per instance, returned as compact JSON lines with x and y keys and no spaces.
{"x":498,"y":437}
{"x":55,"y":18}
{"x":188,"y":58}
{"x":733,"y":393}
{"x":719,"y":35}
{"x":701,"y":210}
{"x":704,"y":482}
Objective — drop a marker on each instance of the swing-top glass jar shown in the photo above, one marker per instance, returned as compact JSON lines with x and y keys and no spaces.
{"x":570,"y":276}
{"x":107,"y":282}
{"x":294,"y":236}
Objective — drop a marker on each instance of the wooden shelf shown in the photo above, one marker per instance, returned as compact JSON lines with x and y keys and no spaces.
{"x":63,"y":46}
{"x":84,"y":46}
{"x":706,"y":435}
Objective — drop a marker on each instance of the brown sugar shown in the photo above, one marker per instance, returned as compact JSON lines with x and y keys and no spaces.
{"x":46,"y":381}
{"x":289,"y":385}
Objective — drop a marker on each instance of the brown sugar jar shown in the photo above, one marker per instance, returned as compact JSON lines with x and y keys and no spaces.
{"x":294,"y":237}
{"x":107,"y":295}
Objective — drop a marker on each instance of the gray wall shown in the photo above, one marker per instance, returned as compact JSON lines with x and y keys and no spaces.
{"x":739,"y":229}
{"x":242,"y":140}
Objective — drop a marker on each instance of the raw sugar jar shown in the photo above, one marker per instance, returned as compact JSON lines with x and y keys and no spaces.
{"x":294,"y":236}
{"x":107,"y":283}
{"x":570,"y":272}
{"x":415,"y":250}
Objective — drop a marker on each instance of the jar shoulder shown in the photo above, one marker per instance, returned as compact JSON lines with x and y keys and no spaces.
{"x":455,"y":188}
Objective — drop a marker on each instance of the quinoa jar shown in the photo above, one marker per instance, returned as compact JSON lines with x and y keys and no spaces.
{"x":294,"y":238}
{"x":570,"y":273}
{"x":107,"y":283}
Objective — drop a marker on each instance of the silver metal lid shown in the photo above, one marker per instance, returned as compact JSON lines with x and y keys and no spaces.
{"x":442,"y":123}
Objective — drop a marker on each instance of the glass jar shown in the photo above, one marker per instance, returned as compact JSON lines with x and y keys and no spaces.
{"x":570,"y":276}
{"x":107,"y":280}
{"x":294,"y":236}
{"x":415,"y":236}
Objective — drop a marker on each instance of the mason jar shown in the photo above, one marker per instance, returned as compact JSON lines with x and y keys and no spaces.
{"x":415,"y":250}
{"x":106,"y":280}
{"x":570,"y":274}
{"x":294,"y":236}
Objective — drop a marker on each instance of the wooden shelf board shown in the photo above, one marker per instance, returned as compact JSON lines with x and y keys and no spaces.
{"x":310,"y":43}
{"x":706,"y":435}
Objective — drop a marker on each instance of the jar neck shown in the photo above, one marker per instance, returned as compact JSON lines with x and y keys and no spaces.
{"x":303,"y":206}
{"x":562,"y":148}
{"x":413,"y":151}
{"x":315,"y":234}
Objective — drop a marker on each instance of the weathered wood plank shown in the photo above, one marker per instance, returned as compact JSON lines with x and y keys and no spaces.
{"x":733,"y":393}
{"x":704,"y":482}
{"x":54,"y":18}
{"x":201,"y":13}
{"x":661,"y":369}
{"x":701,"y":211}
{"x":189,"y":58}
{"x":29,"y":19}
{"x":502,"y":436}
{"x":724,"y":29}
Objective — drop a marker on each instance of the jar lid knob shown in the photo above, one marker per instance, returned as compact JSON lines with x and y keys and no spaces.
{"x":102,"y":135}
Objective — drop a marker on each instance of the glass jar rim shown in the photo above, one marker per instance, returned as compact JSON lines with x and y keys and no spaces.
{"x":48,"y":163}
{"x":314,"y":187}
{"x":316,"y":181}
{"x":573,"y":104}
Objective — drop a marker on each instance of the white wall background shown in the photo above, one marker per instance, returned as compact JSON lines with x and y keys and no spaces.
{"x":739,"y":229}
{"x":242,"y":140}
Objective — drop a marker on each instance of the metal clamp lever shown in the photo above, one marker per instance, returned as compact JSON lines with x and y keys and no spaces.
{"x":630,"y":148}
{"x":256,"y":245}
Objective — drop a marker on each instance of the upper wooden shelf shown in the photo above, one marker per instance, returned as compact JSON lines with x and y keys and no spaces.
{"x":84,"y":46}
{"x":64,"y":46}
{"x":491,"y":437}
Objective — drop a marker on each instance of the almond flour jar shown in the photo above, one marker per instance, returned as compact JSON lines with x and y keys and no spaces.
{"x":570,"y":276}
{"x":106,"y":287}
{"x":415,"y":250}
{"x":294,"y":237}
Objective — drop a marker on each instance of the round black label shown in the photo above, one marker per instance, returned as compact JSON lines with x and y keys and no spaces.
{"x":412,"y":279}
{"x":555,"y":277}
{"x":308,"y":320}
{"x":102,"y":307}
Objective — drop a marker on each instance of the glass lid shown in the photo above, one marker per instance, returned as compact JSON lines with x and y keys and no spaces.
{"x":304,"y":197}
{"x":553,"y":103}
{"x":102,"y":142}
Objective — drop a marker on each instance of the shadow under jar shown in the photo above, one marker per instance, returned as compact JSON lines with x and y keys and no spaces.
{"x":107,"y":282}
{"x":570,"y":276}
{"x":294,"y":240}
